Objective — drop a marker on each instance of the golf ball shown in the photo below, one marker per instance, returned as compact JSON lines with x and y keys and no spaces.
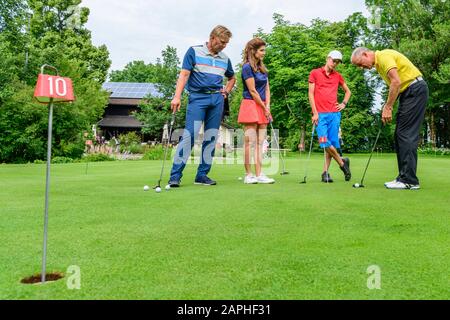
{"x":356,"y":185}
{"x":240,"y":178}
{"x":146,"y":188}
{"x":158,"y":190}
{"x":168,"y":187}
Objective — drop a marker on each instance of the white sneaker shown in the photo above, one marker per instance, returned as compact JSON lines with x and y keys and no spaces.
{"x":251,"y":179}
{"x":390,"y":182}
{"x":397,"y":185}
{"x":263,"y":179}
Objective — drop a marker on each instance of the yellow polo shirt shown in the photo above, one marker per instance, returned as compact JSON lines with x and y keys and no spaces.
{"x":388,"y":59}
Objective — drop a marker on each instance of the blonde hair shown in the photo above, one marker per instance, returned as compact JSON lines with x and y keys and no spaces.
{"x":249,"y":55}
{"x":221,"y":32}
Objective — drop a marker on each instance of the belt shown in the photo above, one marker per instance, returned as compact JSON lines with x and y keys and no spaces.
{"x":207,"y":92}
{"x":418,"y":79}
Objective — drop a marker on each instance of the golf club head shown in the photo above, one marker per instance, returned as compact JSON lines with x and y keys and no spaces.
{"x":358,"y":186}
{"x":304,"y":181}
{"x":284,"y":173}
{"x":158,"y":185}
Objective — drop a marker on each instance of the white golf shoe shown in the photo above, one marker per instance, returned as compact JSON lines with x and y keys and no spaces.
{"x":390,"y":183}
{"x":250,"y":179}
{"x":263,"y":179}
{"x":397,"y":185}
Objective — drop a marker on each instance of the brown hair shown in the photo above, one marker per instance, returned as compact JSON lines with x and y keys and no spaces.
{"x":221,"y":32}
{"x":249,"y":55}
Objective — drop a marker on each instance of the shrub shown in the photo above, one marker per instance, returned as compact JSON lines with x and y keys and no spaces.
{"x":128,"y":139}
{"x":434,"y":151}
{"x":62,"y":160}
{"x":136,"y":149}
{"x":97,"y":157}
{"x":72,"y":150}
{"x":156,"y":153}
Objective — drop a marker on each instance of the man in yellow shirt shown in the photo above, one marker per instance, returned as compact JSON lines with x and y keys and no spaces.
{"x":405,"y":82}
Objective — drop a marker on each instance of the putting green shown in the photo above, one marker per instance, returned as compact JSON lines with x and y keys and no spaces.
{"x":281,"y":241}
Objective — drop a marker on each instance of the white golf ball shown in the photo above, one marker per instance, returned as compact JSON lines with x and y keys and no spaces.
{"x":357,"y":185}
{"x":146,"y":188}
{"x":158,"y":190}
{"x":240,"y":178}
{"x":168,"y":187}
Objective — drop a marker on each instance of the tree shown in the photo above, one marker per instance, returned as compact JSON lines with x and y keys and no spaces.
{"x":420,"y":29}
{"x":155,"y":111}
{"x":55,"y":35}
{"x":294,"y":50}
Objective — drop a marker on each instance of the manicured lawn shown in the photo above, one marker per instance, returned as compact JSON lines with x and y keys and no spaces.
{"x":284,"y":241}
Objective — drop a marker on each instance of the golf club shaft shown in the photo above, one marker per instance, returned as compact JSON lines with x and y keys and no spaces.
{"x":371,"y":154}
{"x":278,"y":145}
{"x":167,"y":148}
{"x":310,"y":150}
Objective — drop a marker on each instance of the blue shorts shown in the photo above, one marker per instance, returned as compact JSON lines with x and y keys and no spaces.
{"x":328,"y":129}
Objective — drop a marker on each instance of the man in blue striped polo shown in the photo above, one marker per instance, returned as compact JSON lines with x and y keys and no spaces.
{"x":203,"y":70}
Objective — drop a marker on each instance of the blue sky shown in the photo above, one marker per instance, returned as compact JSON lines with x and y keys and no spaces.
{"x":140,"y":30}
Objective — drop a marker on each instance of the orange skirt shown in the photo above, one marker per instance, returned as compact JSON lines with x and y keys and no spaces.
{"x":250,"y":113}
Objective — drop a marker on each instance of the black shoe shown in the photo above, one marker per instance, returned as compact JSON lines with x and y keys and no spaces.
{"x":326,"y":178}
{"x":205,"y":181}
{"x":174,"y":183}
{"x":346,"y":169}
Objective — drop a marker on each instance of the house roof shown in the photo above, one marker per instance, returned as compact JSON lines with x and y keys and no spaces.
{"x":120,"y":122}
{"x":131,"y":90}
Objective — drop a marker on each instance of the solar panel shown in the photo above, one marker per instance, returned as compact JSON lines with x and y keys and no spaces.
{"x":131,"y":90}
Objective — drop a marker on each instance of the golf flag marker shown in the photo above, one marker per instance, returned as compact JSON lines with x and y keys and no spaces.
{"x":54,"y":88}
{"x":50,"y":89}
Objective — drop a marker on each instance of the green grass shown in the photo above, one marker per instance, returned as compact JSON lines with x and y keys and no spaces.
{"x":285,"y":241}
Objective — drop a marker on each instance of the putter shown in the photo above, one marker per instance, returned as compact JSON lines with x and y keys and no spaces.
{"x":309,"y":155}
{"x":172,"y":122}
{"x":361,"y":185}
{"x":283,"y":172}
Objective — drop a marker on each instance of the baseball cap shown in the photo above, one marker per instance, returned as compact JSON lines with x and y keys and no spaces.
{"x":335,"y":55}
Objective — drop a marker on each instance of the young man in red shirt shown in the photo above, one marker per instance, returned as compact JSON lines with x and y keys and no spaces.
{"x":324,"y":83}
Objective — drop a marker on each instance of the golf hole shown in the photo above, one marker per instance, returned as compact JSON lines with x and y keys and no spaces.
{"x":49,"y":277}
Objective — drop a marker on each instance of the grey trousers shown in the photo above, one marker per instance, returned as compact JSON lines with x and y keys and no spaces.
{"x":410,"y":116}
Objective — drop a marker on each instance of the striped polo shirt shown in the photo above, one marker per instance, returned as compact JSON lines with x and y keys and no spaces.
{"x":207,"y":70}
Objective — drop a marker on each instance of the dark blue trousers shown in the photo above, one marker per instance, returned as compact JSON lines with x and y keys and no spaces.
{"x":207,"y":108}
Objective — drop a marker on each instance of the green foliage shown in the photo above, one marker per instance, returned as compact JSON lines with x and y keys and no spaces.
{"x":97,"y":157}
{"x":420,"y":29}
{"x":53,"y":34}
{"x":156,"y":111}
{"x":130,"y":142}
{"x":128,"y":139}
{"x":156,"y":153}
{"x":73,"y":149}
{"x":430,"y":150}
{"x":293,"y":51}
{"x":62,"y":160}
